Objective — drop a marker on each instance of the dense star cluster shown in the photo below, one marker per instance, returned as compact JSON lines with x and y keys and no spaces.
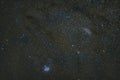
{"x":59,"y":39}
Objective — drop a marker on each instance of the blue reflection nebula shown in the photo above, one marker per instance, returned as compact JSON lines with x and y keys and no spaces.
{"x":46,"y":68}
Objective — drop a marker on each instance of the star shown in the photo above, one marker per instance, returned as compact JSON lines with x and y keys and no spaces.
{"x":78,"y":52}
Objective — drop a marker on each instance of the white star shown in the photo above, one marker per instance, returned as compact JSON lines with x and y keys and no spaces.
{"x":78,"y":52}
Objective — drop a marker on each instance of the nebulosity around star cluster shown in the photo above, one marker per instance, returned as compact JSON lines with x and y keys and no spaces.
{"x":46,"y":68}
{"x":59,"y":40}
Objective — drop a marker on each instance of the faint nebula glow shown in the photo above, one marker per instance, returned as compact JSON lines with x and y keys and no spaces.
{"x":46,"y":68}
{"x":88,"y":31}
{"x":78,"y":52}
{"x":73,"y":45}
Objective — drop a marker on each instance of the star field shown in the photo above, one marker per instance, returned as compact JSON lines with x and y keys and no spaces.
{"x":59,"y":40}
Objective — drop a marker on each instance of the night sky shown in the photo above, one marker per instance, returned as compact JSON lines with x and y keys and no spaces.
{"x":59,"y":39}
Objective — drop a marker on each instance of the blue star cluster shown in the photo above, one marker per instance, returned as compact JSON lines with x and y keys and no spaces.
{"x":59,"y":40}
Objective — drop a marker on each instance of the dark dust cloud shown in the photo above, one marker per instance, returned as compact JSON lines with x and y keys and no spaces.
{"x":59,"y":39}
